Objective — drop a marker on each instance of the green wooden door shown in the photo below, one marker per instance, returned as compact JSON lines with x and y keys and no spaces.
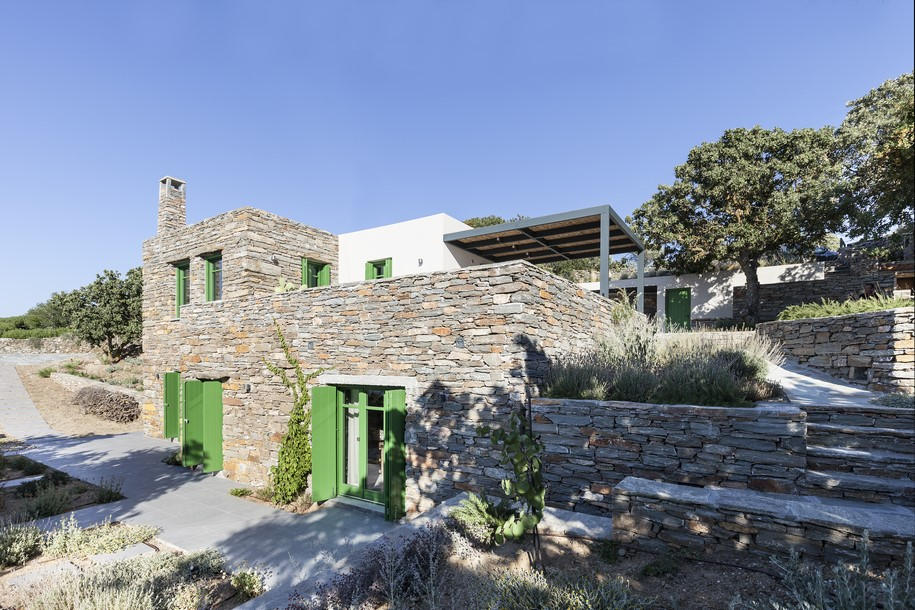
{"x":172,"y":399}
{"x":212,"y":426}
{"x":395,"y":402}
{"x":192,"y":443}
{"x":677,"y":308}
{"x":323,"y":443}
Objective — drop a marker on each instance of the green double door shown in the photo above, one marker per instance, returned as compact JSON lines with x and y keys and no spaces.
{"x":678,"y":308}
{"x":358,"y":445}
{"x":193,"y":412}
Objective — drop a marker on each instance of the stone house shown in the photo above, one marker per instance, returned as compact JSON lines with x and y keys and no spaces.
{"x":443,"y":330}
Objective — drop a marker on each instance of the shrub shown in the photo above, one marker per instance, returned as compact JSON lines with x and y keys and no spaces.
{"x":842,"y":586}
{"x":265,"y":493}
{"x":19,"y":542}
{"x":480,"y":519}
{"x":154,"y":582}
{"x":32,"y":333}
{"x":69,"y":539}
{"x":249,"y":583}
{"x":25,"y":465}
{"x":45,"y":372}
{"x":635,"y":363}
{"x":526,"y":589}
{"x":240,"y":492}
{"x":828,"y":308}
{"x":172,"y":459}
{"x":52,"y":478}
{"x":49,"y":501}
{"x":290,"y":475}
{"x":113,"y":406}
{"x":900,"y":401}
{"x":108,"y":490}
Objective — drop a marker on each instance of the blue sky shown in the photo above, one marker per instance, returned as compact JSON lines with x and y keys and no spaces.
{"x":345,"y":115}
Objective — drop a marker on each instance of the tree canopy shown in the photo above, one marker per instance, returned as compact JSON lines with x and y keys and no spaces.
{"x":877,"y":142}
{"x":108,"y":312}
{"x":751,"y":194}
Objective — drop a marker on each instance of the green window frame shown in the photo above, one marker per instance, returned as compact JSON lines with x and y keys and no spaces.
{"x":182,"y":286}
{"x":214,"y":277}
{"x":315,"y":273}
{"x":378,"y":269}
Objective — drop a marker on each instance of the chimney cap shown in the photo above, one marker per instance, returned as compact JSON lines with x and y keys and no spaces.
{"x":174,"y":182}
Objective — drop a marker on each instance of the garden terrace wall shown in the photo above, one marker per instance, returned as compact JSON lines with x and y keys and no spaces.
{"x":47,"y":345}
{"x":468,"y":342}
{"x":875,"y":348}
{"x":661,"y":517}
{"x":592,"y":445}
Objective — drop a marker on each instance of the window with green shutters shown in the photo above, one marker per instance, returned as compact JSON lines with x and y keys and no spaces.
{"x":375,"y":270}
{"x":315,"y":273}
{"x":214,"y":278}
{"x":182,"y":286}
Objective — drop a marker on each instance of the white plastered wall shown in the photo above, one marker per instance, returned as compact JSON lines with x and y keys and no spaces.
{"x":406,"y":243}
{"x":712,"y":294}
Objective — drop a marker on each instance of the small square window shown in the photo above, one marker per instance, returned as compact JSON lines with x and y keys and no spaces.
{"x":315,"y":273}
{"x":214,"y":278}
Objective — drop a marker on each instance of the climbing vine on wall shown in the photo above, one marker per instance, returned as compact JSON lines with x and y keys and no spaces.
{"x":290,"y":475}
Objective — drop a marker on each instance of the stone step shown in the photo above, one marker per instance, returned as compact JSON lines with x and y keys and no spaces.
{"x":871,"y":462}
{"x":852,"y":486}
{"x":899,"y":440}
{"x":658,"y":516}
{"x":870,"y":416}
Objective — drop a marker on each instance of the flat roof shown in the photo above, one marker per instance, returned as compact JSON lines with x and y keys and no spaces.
{"x":546,"y":239}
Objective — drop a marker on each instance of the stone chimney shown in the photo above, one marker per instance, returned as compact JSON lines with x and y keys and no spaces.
{"x":172,"y":205}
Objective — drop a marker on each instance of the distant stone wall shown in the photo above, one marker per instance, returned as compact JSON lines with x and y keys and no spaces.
{"x":51,"y":345}
{"x":838,"y":285}
{"x":592,"y":445}
{"x":876,"y":348}
{"x":470,"y":341}
{"x":660,"y":517}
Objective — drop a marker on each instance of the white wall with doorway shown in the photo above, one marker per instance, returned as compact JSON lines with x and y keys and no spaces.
{"x":414,"y":246}
{"x":712,"y":294}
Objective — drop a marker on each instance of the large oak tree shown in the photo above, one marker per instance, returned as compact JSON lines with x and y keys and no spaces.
{"x":746,"y":196}
{"x":877,"y":140}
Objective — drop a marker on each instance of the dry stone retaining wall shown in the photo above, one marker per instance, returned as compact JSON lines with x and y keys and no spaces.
{"x":471,"y":340}
{"x":48,"y":345}
{"x":874,"y":348}
{"x":75,"y":383}
{"x":592,"y":445}
{"x":659,"y":516}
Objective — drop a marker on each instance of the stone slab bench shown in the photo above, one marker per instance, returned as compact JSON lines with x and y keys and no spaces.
{"x":661,"y":516}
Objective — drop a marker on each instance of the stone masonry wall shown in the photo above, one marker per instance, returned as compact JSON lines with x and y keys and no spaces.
{"x":838,"y":285}
{"x":48,"y":345}
{"x":592,"y":445}
{"x":661,"y":517}
{"x":472,"y":340}
{"x":875,"y":348}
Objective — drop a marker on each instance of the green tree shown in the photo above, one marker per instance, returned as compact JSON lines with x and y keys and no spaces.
{"x":877,"y":141}
{"x":743,"y":198}
{"x":53,"y":313}
{"x":108,"y":313}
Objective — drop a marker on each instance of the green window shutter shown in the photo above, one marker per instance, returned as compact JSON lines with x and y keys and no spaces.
{"x":395,"y":478}
{"x":212,"y":426}
{"x":369,"y":271}
{"x":172,"y":395}
{"x":387,"y":268}
{"x":304,"y":272}
{"x":324,"y":275}
{"x":209,"y":280}
{"x":323,"y":443}
{"x":179,"y":288}
{"x":192,"y":445}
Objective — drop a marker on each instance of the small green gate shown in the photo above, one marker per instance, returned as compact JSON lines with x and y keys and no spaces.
{"x":677,"y":308}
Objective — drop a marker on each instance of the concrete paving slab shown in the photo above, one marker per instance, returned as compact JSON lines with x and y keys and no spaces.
{"x":805,"y":386}
{"x":130,"y":552}
{"x":194,"y":511}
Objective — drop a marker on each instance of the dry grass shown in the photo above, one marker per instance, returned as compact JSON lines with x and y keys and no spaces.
{"x":55,"y":404}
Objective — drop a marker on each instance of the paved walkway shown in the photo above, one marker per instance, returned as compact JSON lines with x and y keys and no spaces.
{"x":807,"y":387}
{"x":194,"y":511}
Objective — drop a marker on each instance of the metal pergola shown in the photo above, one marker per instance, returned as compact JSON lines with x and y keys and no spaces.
{"x":585,"y":233}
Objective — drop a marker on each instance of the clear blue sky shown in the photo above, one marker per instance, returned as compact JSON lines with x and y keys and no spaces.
{"x":345,"y":115}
